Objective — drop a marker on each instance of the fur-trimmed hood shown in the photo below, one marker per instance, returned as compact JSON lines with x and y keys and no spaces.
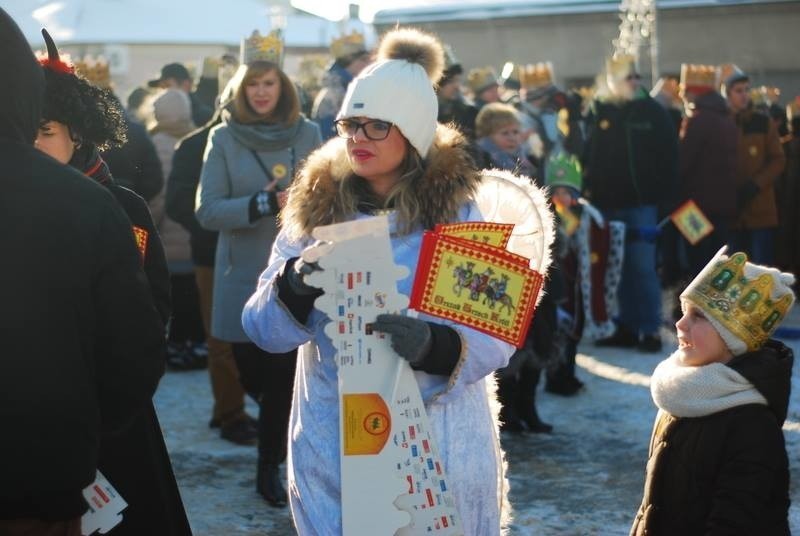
{"x":449,"y":180}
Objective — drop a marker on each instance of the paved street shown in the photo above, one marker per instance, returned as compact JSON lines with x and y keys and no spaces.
{"x":585,"y":478}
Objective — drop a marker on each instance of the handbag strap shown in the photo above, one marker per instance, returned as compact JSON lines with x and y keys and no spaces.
{"x":270,"y":178}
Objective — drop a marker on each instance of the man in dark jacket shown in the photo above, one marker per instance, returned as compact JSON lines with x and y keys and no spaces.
{"x":707,"y":168}
{"x":630,"y":175}
{"x":760,"y":162}
{"x":175,"y":75}
{"x":228,"y":412}
{"x":84,"y":344}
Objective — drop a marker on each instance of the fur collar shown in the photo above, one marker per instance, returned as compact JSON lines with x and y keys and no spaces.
{"x":450,"y":179}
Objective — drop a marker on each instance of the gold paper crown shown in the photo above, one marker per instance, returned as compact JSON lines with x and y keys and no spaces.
{"x":537,"y":75}
{"x":772,"y":94}
{"x":620,"y":66}
{"x":96,"y":70}
{"x":758,"y":97}
{"x":699,"y":76}
{"x":481,"y":78}
{"x":348,"y":45}
{"x":267,"y":48}
{"x":745,"y":306}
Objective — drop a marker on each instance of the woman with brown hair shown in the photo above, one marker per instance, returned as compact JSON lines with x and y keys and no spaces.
{"x":249,"y":162}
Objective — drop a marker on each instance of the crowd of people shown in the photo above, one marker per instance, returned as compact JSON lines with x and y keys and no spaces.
{"x":189,"y":255}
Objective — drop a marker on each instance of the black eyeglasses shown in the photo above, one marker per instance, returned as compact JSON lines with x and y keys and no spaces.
{"x":374,"y":129}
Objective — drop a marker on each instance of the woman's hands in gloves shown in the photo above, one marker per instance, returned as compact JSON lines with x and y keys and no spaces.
{"x":429,"y":347}
{"x":411,"y":338}
{"x":295,"y":276}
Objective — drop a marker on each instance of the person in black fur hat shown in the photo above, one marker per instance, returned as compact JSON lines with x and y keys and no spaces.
{"x":78,"y":121}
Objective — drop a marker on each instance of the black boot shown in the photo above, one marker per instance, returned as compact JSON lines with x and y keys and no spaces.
{"x":622,"y":338}
{"x":526,"y":402}
{"x":269,"y":485}
{"x":506,"y":394}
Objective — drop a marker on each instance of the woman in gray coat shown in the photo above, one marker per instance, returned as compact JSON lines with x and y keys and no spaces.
{"x":249,"y":162}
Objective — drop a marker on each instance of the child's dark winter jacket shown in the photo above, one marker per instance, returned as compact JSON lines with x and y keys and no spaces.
{"x":727,"y":472}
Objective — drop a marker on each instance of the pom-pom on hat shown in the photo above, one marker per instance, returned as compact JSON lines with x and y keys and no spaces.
{"x":745,"y":302}
{"x":398,"y":87}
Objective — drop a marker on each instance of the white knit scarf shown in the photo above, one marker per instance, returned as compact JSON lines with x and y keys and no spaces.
{"x":685,"y":391}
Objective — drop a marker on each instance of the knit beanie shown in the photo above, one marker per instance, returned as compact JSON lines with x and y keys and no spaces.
{"x":398,"y":87}
{"x":745,"y":302}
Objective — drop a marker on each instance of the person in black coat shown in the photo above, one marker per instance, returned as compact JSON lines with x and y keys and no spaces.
{"x":135,"y":164}
{"x":630,"y":174}
{"x":718,"y":462}
{"x":77,"y":120}
{"x":84,"y":346}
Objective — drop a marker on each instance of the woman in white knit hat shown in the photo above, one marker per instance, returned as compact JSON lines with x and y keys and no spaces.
{"x":718,"y":463}
{"x":391,"y":156}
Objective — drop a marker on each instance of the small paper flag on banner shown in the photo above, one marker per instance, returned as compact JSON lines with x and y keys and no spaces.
{"x":569,"y":221}
{"x":486,"y":288}
{"x":491,"y":234}
{"x":691,"y":222}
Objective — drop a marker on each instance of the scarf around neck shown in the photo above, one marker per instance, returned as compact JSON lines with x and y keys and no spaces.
{"x":88,"y":161}
{"x":263,"y":136}
{"x":515,"y":162}
{"x":685,"y":391}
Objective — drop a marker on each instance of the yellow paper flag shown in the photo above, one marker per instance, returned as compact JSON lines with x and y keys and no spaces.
{"x":691,"y":222}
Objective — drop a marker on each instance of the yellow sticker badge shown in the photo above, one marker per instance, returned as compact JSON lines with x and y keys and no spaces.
{"x":279,"y":171}
{"x":366,"y":423}
{"x":605,"y":124}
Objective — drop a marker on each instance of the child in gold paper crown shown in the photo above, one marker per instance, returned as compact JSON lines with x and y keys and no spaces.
{"x":718,"y":463}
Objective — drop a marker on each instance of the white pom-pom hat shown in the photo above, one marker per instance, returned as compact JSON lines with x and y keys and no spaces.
{"x":399,"y":86}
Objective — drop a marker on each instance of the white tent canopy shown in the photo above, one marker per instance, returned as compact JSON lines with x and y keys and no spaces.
{"x":184,"y":22}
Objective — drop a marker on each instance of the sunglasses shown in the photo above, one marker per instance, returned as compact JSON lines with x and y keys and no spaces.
{"x":633,"y":77}
{"x":374,"y":129}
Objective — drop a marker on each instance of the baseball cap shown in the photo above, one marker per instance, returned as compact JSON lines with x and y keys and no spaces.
{"x":170,"y":70}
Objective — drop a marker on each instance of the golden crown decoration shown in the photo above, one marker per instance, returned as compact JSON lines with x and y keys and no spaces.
{"x":96,"y":70}
{"x":699,"y":76}
{"x":536,"y":75}
{"x":620,"y":66}
{"x":746,"y":306}
{"x":348,"y":45}
{"x":772,"y":94}
{"x":481,"y":78}
{"x":262,"y":48}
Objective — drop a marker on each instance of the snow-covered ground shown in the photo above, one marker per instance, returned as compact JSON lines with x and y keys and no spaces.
{"x":585,"y":478}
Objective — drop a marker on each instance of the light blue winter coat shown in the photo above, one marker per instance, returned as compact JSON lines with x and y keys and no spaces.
{"x":458,"y":406}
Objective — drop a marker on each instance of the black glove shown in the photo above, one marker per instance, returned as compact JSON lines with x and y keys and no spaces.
{"x":411,"y":338}
{"x":746,"y":193}
{"x":262,"y":204}
{"x":295,"y":277}
{"x":294,"y":292}
{"x":429,"y":347}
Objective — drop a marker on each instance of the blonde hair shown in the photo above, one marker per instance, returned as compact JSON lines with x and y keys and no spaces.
{"x":287,"y":111}
{"x":403,"y":198}
{"x":493,"y":117}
